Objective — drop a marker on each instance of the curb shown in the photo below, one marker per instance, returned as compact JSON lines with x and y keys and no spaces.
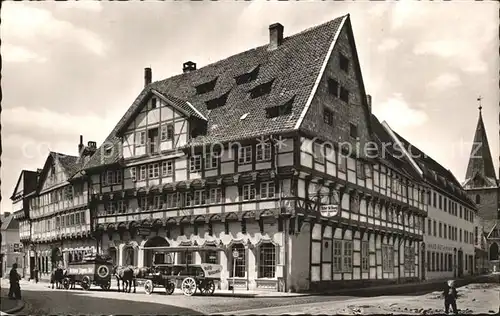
{"x":20,"y":306}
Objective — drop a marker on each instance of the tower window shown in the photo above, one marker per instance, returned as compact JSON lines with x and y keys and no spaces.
{"x":478,"y":199}
{"x":344,"y":94}
{"x":328,"y":116}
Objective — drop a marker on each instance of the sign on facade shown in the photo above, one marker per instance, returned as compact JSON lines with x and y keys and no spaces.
{"x":16,"y":248}
{"x":329,"y":210}
{"x":236,"y":254}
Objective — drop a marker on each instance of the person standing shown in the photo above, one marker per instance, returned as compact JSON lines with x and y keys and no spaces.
{"x":15,"y":288}
{"x":450,"y":297}
{"x":35,"y":272}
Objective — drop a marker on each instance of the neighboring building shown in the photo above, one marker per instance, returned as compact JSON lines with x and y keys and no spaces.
{"x":11,"y":247}
{"x":25,"y":185}
{"x":449,"y":239}
{"x":242,"y":153}
{"x":483,"y":187}
{"x":59,"y":213}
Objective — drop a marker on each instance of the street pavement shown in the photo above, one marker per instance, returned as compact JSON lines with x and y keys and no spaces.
{"x":42,"y":300}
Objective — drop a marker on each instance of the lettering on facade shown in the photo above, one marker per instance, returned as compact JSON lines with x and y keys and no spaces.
{"x":439,"y":247}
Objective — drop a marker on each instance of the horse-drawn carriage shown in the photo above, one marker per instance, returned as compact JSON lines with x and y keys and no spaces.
{"x":93,"y":270}
{"x":188,"y":277}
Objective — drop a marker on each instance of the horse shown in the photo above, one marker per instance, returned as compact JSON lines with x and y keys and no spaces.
{"x":127,"y":275}
{"x":56,"y":277}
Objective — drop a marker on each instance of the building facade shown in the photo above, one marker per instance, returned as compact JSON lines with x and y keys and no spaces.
{"x":247,"y":154}
{"x":11,"y":248}
{"x":483,"y":188}
{"x":59,"y":217}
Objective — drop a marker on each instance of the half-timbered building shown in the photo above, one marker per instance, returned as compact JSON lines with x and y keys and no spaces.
{"x":59,"y":213}
{"x":26,"y":184}
{"x":450,"y":224}
{"x":263,"y":153}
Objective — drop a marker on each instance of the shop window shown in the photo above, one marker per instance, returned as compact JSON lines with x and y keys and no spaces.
{"x":240,"y":266}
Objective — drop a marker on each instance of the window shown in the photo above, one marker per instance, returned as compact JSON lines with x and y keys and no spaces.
{"x":342,"y":256}
{"x":104,"y":180}
{"x":342,"y":163}
{"x":206,"y":87}
{"x":199,"y":197}
{"x":365,"y":256}
{"x":245,"y":155}
{"x":140,"y":138}
{"x":263,"y":151}
{"x":318,"y":153}
{"x":186,"y":258}
{"x":153,"y":103}
{"x":248,"y":192}
{"x":122,"y":206}
{"x":429,"y":261}
{"x":167,"y":168}
{"x":195,"y":163}
{"x":434,"y":227}
{"x":360,"y":170}
{"x":133,"y":171}
{"x":343,"y":63}
{"x":440,"y":202}
{"x":154,"y":170}
{"x":215,"y":195}
{"x":478,"y":199}
{"x":328,"y":117}
{"x":267,"y":190}
{"x":142,"y":174}
{"x":445,"y":228}
{"x":267,"y":260}
{"x":173,"y":200}
{"x":333,"y":87}
{"x":167,"y":132}
{"x":344,"y":94}
{"x":240,"y":266}
{"x":261,"y":90}
{"x":409,"y":259}
{"x":188,"y":199}
{"x":387,"y":258}
{"x":142,"y":203}
{"x":440,"y":230}
{"x":247,"y":77}
{"x":283,"y":109}
{"x":211,"y":161}
{"x":353,"y":130}
{"x":157,"y":203}
{"x":211,"y":257}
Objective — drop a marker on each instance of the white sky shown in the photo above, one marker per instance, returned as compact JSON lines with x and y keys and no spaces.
{"x":72,"y":68}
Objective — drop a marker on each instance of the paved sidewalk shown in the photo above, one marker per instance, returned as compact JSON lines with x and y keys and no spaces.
{"x":8,"y":306}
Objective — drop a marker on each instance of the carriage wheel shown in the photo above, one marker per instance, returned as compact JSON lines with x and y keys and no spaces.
{"x":106,"y":286}
{"x":169,"y":287}
{"x":85,"y":284}
{"x":207,"y":287}
{"x":149,"y":287}
{"x":66,"y":283}
{"x":188,"y":286}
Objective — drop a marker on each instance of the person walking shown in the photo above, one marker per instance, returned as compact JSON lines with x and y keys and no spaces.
{"x":35,"y":272}
{"x":15,"y":288}
{"x":450,"y":297}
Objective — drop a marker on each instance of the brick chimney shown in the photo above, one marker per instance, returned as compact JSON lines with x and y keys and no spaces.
{"x":369,"y":102}
{"x":148,"y":76}
{"x":80,"y":146}
{"x":188,"y":66}
{"x":275,"y":36}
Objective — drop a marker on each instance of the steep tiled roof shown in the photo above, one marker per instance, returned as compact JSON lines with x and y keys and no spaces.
{"x":293,"y":67}
{"x":391,"y":158}
{"x":480,"y":161}
{"x":8,"y":222}
{"x":70,"y":164}
{"x":435,"y":173}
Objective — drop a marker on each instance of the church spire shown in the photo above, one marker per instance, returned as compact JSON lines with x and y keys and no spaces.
{"x":480,"y":171}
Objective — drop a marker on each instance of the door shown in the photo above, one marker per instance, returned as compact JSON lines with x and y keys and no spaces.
{"x":32,"y":267}
{"x":460,"y":262}
{"x":423,"y":265}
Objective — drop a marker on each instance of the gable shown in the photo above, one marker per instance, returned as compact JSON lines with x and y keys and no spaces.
{"x":494,"y":233}
{"x":53,"y":174}
{"x":340,"y":91}
{"x":19,"y":188}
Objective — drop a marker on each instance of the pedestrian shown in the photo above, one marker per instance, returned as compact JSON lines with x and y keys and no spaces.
{"x":35,"y":271}
{"x":450,"y":297}
{"x":15,"y":288}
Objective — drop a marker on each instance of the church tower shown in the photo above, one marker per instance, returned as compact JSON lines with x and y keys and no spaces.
{"x":482,"y":186}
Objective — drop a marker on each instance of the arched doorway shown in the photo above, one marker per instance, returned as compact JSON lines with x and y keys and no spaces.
{"x":494,"y":251}
{"x":113,"y":254}
{"x":149,"y":255}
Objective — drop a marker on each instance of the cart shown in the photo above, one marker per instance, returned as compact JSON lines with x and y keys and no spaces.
{"x":188,"y":277}
{"x":93,"y":270}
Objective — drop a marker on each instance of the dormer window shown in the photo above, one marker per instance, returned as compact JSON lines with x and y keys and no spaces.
{"x":247,"y":77}
{"x":262,"y":89}
{"x":283,"y":109}
{"x":218,"y":102}
{"x":206,"y":87}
